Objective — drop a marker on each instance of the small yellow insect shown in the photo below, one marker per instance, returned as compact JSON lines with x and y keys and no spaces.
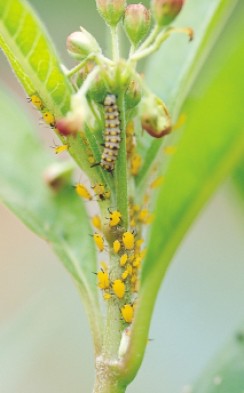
{"x":124,"y":275}
{"x":128,"y":239}
{"x":114,"y":218}
{"x":107,"y":296}
{"x":136,"y":162}
{"x":116,"y":246}
{"x":82,"y":191}
{"x":119,"y":288}
{"x":36,"y":101}
{"x":129,"y":269}
{"x":137,"y":262}
{"x":103,"y":280}
{"x":101,"y":192}
{"x":49,"y":118}
{"x":127,"y":312}
{"x":157,"y":182}
{"x":60,"y":148}
{"x":145,"y":217}
{"x":99,"y":241}
{"x":123,"y":260}
{"x":96,"y":222}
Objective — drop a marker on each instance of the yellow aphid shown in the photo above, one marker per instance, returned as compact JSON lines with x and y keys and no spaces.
{"x":36,"y":101}
{"x":136,"y":208}
{"x":116,"y":246}
{"x":139,"y":242}
{"x":119,"y":288}
{"x":114,"y":218}
{"x":136,"y":162}
{"x":82,"y":191}
{"x":137,"y":262}
{"x":96,"y":222}
{"x":145,"y":217}
{"x":100,"y":191}
{"x":157,"y":182}
{"x":98,"y":239}
{"x":104,"y":266}
{"x":127,"y":312}
{"x":169,"y":150}
{"x":133,"y":222}
{"x":49,"y":118}
{"x":107,"y":296}
{"x":91,"y":159}
{"x":128,"y":240}
{"x":60,"y":149}
{"x":123,"y":259}
{"x":129,"y":270}
{"x":133,"y":279}
{"x":124,"y":275}
{"x":103,"y":280}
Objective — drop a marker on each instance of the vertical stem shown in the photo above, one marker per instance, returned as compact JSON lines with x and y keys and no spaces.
{"x":121,"y":167}
{"x":107,"y":380}
{"x":115,"y":43}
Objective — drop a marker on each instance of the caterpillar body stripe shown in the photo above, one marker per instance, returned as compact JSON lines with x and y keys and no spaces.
{"x":111,"y":134}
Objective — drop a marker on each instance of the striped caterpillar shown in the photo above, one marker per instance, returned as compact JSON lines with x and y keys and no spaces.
{"x":111,"y":133}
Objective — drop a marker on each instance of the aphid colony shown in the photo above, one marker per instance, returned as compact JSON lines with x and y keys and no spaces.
{"x":126,"y":248}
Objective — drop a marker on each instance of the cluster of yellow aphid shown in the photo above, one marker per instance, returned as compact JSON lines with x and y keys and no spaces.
{"x":127,"y":249}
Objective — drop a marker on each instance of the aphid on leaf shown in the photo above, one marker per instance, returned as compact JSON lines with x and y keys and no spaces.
{"x":119,"y":288}
{"x":99,"y":241}
{"x":82,"y":191}
{"x":60,"y":148}
{"x":36,"y":101}
{"x":49,"y":118}
{"x":114,"y":218}
{"x":128,"y":239}
{"x":127,"y":312}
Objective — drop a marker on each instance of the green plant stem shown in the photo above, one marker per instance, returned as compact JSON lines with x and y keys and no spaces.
{"x":107,"y":380}
{"x":121,"y":166}
{"x":75,"y":69}
{"x":140,"y":54}
{"x":115,"y":43}
{"x":156,"y":29}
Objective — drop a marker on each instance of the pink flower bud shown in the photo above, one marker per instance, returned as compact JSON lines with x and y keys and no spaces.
{"x":165,"y":11}
{"x":137,"y":22}
{"x":81,"y":44}
{"x":111,"y":10}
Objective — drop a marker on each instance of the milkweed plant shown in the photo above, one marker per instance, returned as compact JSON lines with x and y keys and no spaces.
{"x":138,"y":168}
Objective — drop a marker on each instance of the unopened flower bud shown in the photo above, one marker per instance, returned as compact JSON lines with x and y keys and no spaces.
{"x":58,"y":175}
{"x":165,"y":11}
{"x":132,"y":95}
{"x":137,"y":22}
{"x":81,"y":44}
{"x":74,"y":121}
{"x":155,"y":117}
{"x":111,"y":10}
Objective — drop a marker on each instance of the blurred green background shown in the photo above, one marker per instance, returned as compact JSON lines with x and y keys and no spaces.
{"x":45,"y":344}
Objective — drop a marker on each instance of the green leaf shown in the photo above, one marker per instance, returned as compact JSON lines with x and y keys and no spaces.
{"x":172,"y":70}
{"x":33,"y":58}
{"x":208,"y":150}
{"x":238,"y":179}
{"x":59,"y":217}
{"x":225,"y":373}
